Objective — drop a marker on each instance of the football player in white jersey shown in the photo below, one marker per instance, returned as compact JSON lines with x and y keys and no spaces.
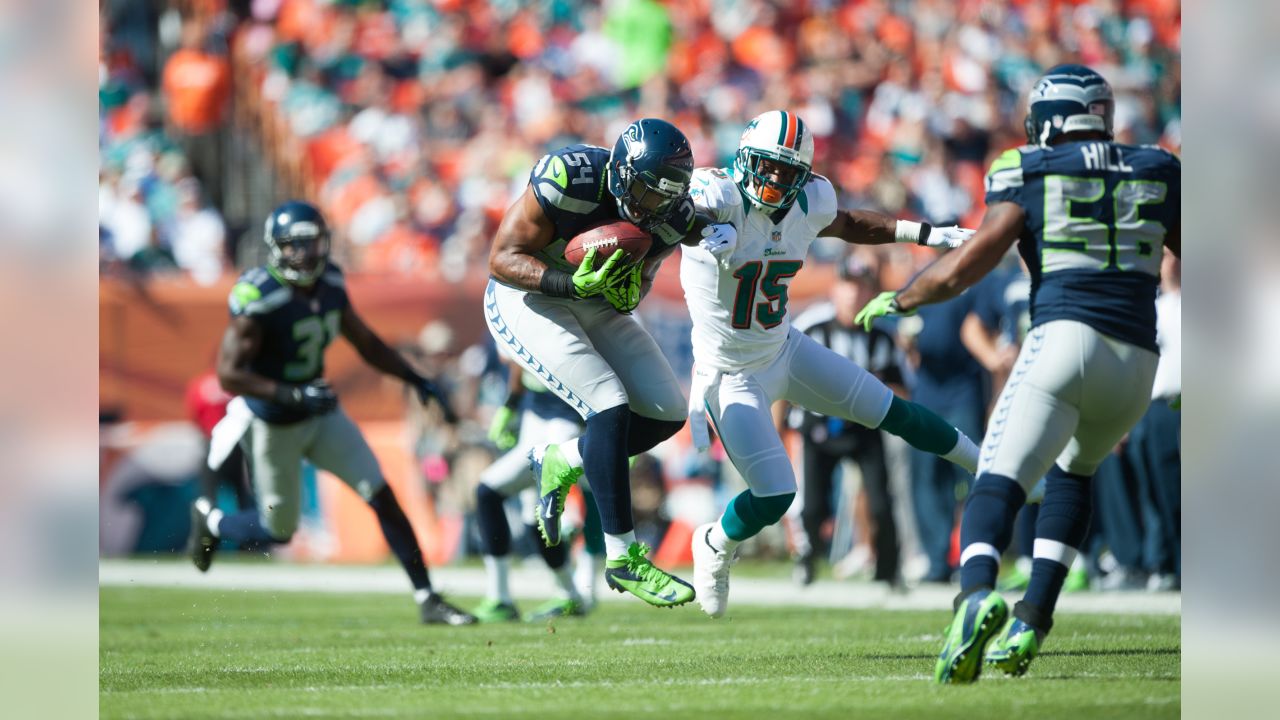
{"x":766,"y":211}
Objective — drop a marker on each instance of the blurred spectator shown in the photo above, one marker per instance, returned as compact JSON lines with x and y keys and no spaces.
{"x":198,"y":235}
{"x":197,"y":84}
{"x":123,"y":214}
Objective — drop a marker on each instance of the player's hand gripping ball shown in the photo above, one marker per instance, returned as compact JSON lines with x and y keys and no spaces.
{"x":605,"y":239}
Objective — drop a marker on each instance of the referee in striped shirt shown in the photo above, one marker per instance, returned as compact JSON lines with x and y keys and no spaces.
{"x":829,"y":440}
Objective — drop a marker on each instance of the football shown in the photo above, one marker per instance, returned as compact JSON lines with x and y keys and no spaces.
{"x":607,"y":238}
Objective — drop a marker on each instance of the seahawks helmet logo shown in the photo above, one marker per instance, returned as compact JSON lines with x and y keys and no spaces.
{"x":634,"y":142}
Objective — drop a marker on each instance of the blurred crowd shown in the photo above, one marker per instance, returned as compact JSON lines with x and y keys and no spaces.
{"x":419,"y":120}
{"x":154,"y":211}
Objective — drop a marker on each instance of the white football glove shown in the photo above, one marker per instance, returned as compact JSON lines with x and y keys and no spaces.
{"x":951,"y":236}
{"x":719,"y":240}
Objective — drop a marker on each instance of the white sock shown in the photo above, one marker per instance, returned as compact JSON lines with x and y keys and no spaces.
{"x":564,"y":580}
{"x":587,"y":574}
{"x":615,"y":546}
{"x":720,"y":541}
{"x":497,"y":570}
{"x":569,"y":449}
{"x":214,"y":519}
{"x":421,"y":594}
{"x":964,"y":454}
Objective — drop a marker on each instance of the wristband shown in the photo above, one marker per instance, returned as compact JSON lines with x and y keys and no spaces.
{"x":907,"y":231}
{"x":288,"y":394}
{"x":556,"y":283}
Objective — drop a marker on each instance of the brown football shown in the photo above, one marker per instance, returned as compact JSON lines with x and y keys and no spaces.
{"x":606,"y":239}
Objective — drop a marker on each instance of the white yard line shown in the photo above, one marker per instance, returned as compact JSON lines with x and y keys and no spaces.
{"x":530,"y":581}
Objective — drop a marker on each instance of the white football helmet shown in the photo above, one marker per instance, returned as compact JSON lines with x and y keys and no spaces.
{"x":782,"y":142}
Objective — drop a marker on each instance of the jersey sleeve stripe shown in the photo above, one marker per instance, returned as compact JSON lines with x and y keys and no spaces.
{"x":271,"y":301}
{"x":1004,"y":180}
{"x":562,"y":201}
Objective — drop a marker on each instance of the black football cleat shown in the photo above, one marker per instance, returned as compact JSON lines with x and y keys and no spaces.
{"x":201,"y":542}
{"x":435,"y":611}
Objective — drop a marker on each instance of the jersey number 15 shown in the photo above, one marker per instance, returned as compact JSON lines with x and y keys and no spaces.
{"x":771,"y":279}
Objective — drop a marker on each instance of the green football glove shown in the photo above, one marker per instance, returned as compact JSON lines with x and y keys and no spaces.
{"x":886,"y":303}
{"x":624,"y":294}
{"x":588,"y":282}
{"x":504,"y":428}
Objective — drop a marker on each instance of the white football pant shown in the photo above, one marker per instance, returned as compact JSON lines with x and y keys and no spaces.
{"x":803,"y":373}
{"x":1071,"y":397}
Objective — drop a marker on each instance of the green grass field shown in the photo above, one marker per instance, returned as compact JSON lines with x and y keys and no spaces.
{"x":219,"y":654}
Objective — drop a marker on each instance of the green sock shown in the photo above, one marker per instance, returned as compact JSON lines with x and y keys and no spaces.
{"x":920,"y":427}
{"x":749,"y":514}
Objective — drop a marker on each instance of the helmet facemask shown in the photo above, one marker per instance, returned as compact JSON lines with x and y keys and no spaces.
{"x":644,"y":200}
{"x":300,"y":257}
{"x":769,"y":179}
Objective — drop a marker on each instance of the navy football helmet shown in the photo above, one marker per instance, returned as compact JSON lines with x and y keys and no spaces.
{"x":649,"y":172}
{"x":1069,"y":98}
{"x":297,"y":240}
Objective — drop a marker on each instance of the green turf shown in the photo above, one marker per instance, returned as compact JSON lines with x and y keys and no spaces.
{"x":221,"y":654}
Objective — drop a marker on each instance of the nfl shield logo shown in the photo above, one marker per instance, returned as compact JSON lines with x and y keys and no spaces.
{"x":777,"y":236}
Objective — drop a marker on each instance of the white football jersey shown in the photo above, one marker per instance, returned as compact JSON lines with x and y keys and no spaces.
{"x":740,"y":312}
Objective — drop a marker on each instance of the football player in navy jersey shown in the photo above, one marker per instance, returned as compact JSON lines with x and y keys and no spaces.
{"x":283,"y":316}
{"x":1091,"y":218}
{"x":571,"y":327}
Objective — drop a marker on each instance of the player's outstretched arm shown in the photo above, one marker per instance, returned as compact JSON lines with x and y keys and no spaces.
{"x":371,"y":347}
{"x":525,"y":230}
{"x":381,"y":356}
{"x":949,"y":275}
{"x":861,"y":227}
{"x":864,"y":227}
{"x":240,"y":346}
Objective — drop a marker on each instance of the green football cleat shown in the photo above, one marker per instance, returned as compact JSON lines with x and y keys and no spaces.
{"x":1015,"y":647}
{"x":493,"y":611}
{"x":978,"y":617}
{"x":1013,"y":580}
{"x":558,"y":607}
{"x":555,"y":477}
{"x":634,"y":573}
{"x":1077,"y":580}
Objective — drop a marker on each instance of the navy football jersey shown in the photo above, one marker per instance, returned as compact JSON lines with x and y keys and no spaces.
{"x":296,"y":329}
{"x":570,"y":185}
{"x":1096,"y":218}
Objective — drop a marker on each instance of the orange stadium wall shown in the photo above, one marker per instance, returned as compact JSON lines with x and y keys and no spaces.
{"x":154,"y":338}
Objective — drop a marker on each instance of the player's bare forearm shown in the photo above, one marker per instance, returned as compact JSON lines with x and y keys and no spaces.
{"x":949,"y":275}
{"x":1173,"y":240}
{"x":524,"y":231}
{"x":372,"y":349}
{"x":240,"y":345}
{"x":862,"y":227}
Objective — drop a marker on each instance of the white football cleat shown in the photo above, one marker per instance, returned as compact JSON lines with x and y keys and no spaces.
{"x":710,"y":573}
